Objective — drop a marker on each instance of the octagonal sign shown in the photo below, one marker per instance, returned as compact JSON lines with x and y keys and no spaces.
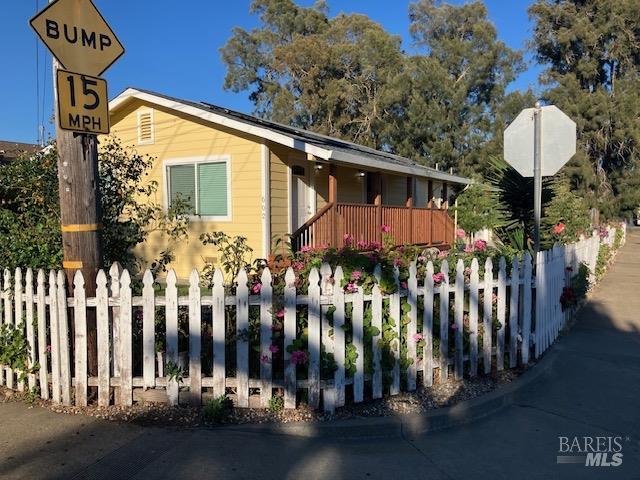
{"x":558,"y":141}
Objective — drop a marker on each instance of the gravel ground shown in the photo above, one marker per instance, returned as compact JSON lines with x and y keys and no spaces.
{"x":424,"y":399}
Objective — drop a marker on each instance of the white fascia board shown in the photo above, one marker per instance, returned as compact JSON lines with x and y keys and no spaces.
{"x":220,"y":120}
{"x":407,"y":169}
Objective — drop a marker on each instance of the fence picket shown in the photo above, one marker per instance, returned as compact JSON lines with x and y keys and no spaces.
{"x":114,"y":274}
{"x":19,"y":314}
{"x":28,"y":296}
{"x":473,"y":318}
{"x":539,"y":303}
{"x":171,"y":348}
{"x":266,"y":322}
{"x":102,"y":320}
{"x":80,"y":342}
{"x":376,"y":322}
{"x":148,"y":331}
{"x":55,"y":339}
{"x":513,"y":313}
{"x":412,"y":326}
{"x":126,"y":340}
{"x":338,"y":337}
{"x":63,"y":331}
{"x":358,"y":343}
{"x":314,"y":338}
{"x":427,"y":326}
{"x":444,"y":322}
{"x":195,"y":340}
{"x":459,"y":313}
{"x":526,"y":316}
{"x":8,"y":318}
{"x":487,"y":327}
{"x":43,"y":360}
{"x":326,"y":288}
{"x":290,"y":313}
{"x":396,"y":319}
{"x":502,"y":300}
{"x":219,"y":329}
{"x":242,"y":340}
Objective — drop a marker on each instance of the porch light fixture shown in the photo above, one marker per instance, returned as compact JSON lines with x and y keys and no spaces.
{"x":360,"y":174}
{"x":318,"y":166}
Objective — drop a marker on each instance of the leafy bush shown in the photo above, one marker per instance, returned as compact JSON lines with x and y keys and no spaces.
{"x":30,"y":212}
{"x":217,"y":409}
{"x":276,"y":404}
{"x":602,"y":262}
{"x":14,"y":350}
{"x":566,"y":216}
{"x":479,"y":207}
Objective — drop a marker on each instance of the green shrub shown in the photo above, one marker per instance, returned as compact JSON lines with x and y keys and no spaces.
{"x":604,"y":256}
{"x":217,"y":409}
{"x":479,"y":207}
{"x":276,"y":404}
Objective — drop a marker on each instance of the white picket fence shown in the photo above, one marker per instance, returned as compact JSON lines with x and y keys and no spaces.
{"x":527,"y":309}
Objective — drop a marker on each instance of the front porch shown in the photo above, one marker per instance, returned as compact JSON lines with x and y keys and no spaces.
{"x":421,"y":219}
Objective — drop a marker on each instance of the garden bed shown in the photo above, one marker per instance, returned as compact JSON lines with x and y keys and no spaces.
{"x":442,"y":394}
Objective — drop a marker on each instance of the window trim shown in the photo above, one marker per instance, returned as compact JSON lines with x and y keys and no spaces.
{"x":152,"y":140}
{"x":166,"y":164}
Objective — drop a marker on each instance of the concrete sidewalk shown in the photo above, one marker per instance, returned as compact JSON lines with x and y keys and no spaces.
{"x":592,"y":390}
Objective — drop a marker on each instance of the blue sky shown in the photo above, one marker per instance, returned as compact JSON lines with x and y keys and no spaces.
{"x":172,"y":47}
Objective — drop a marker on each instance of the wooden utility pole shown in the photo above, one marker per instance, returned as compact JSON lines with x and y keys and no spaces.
{"x":80,"y":214}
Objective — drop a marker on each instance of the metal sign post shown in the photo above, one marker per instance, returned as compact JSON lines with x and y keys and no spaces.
{"x":537,"y":175}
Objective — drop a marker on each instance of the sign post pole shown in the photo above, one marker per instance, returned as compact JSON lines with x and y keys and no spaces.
{"x":537,"y":174}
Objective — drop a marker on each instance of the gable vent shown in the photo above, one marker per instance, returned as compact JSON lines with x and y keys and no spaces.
{"x":145,"y":127}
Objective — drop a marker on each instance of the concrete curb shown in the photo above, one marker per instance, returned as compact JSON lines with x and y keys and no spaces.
{"x":407,"y":425}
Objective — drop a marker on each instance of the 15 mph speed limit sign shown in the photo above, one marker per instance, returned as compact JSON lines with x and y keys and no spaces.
{"x":83,"y":104}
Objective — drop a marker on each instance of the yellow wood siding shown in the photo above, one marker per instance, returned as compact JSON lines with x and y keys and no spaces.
{"x":279,"y":192}
{"x":178,"y":136}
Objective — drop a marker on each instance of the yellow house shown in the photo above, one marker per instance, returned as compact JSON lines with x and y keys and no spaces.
{"x":263,"y":180}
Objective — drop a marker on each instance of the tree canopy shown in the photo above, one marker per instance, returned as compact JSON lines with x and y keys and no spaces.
{"x":448,"y":101}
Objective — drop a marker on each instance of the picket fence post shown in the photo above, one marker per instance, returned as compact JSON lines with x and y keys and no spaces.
{"x":148,"y":331}
{"x":327,"y":341}
{"x":473,"y":318}
{"x":427,"y":326}
{"x":314,"y":338}
{"x":102,"y":321}
{"x":357,"y":318}
{"x":444,"y":321}
{"x":19,"y":318}
{"x":376,"y":322}
{"x":29,"y":320}
{"x":80,"y":342}
{"x":218,"y":333}
{"x":41,"y":307}
{"x":195,"y":340}
{"x":126,"y":333}
{"x":526,"y":310}
{"x":487,"y":327}
{"x":171,"y":348}
{"x":412,"y":300}
{"x":459,"y":314}
{"x":501,"y":311}
{"x":55,"y":339}
{"x":8,"y":317}
{"x":338,"y":338}
{"x":396,"y":318}
{"x":290,"y":313}
{"x":242,"y":340}
{"x":513,"y":312}
{"x":266,"y":322}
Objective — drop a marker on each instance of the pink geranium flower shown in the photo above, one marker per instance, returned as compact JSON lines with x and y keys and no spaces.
{"x":385,"y":228}
{"x":356,"y":274}
{"x":558,"y":228}
{"x":297,"y":265}
{"x":256,"y":288}
{"x":274,"y":348}
{"x":403,"y":285}
{"x":280,"y":313}
{"x":417,"y":337}
{"x":443,"y":253}
{"x":347,"y":238}
{"x":468,"y":249}
{"x":264,"y":359}
{"x":438,"y":277}
{"x":460,"y":233}
{"x":305,"y":249}
{"x":480,"y":245}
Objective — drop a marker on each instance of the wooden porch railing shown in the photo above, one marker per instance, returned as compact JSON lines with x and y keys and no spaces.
{"x":408,"y":225}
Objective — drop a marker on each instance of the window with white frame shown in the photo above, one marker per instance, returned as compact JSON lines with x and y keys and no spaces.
{"x":203,"y":184}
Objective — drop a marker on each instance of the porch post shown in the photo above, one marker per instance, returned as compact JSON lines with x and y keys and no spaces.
{"x":378,"y":203}
{"x":409,"y":204}
{"x":445,"y":195}
{"x":430,"y":194}
{"x":333,"y":200}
